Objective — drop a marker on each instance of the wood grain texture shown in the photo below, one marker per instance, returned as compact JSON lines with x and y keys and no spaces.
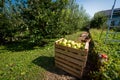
{"x":71,"y":60}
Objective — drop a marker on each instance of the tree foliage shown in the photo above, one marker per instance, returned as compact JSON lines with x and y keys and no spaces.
{"x":100,"y":19}
{"x":10,"y":21}
{"x":41,"y":19}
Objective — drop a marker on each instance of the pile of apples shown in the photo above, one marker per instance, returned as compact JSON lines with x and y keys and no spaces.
{"x":70,"y":43}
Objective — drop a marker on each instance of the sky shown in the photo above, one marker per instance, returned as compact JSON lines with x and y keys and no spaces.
{"x":93,"y":6}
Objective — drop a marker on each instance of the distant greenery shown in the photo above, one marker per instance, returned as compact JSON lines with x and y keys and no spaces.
{"x":38,"y":20}
{"x":99,"y":20}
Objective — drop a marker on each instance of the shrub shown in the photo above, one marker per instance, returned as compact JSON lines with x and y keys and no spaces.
{"x":99,"y":20}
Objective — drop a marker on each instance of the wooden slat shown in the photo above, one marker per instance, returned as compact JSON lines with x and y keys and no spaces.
{"x":77,"y":51}
{"x":80,"y":63}
{"x":73,"y":55}
{"x":87,"y":46}
{"x":69,"y":71}
{"x":68,"y":63}
{"x":64,"y":57}
{"x":73,"y":68}
{"x":61,"y":47}
{"x":69,"y":68}
{"x":71,"y":60}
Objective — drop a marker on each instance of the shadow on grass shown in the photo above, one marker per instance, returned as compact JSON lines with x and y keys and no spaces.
{"x":24,"y":45}
{"x":19,"y":46}
{"x":48,"y":64}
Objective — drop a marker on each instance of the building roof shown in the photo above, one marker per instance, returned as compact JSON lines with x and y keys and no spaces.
{"x":108,"y":12}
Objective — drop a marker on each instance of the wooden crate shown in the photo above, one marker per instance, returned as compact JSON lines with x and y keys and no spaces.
{"x":71,"y":60}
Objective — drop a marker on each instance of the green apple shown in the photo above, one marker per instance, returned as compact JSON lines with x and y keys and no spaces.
{"x":72,"y":43}
{"x":59,"y":42}
{"x":75,"y":43}
{"x":69,"y":41}
{"x":68,"y":45}
{"x":82,"y":46}
{"x":78,"y":46}
{"x":64,"y":43}
{"x":65,"y":40}
{"x":75,"y":47}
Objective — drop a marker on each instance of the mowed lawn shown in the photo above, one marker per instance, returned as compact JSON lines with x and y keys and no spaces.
{"x":25,"y":64}
{"x":23,"y":61}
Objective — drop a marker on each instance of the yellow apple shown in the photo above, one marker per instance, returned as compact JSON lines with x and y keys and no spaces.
{"x":75,"y":47}
{"x":68,"y":45}
{"x":72,"y":43}
{"x":69,"y":41}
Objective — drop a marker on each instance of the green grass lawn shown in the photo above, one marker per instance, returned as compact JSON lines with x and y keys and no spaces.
{"x":18,"y":61}
{"x":23,"y":61}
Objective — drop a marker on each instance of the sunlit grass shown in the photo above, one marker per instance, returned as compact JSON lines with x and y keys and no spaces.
{"x":24,"y":61}
{"x":110,"y":71}
{"x":21,"y":65}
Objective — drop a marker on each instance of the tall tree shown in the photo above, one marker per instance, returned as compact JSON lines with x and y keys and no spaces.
{"x":43,"y":19}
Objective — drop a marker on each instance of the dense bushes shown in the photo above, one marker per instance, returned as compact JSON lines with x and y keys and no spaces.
{"x":99,"y":20}
{"x":40,"y":19}
{"x":110,"y":69}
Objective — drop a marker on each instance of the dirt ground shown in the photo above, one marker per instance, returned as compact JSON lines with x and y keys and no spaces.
{"x":59,"y":74}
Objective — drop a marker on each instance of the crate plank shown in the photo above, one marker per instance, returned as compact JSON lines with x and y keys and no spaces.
{"x":80,"y":63}
{"x":69,"y":68}
{"x":77,"y":51}
{"x":70,"y":59}
{"x":68,"y":63}
{"x":69,"y":71}
{"x":73,"y":55}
